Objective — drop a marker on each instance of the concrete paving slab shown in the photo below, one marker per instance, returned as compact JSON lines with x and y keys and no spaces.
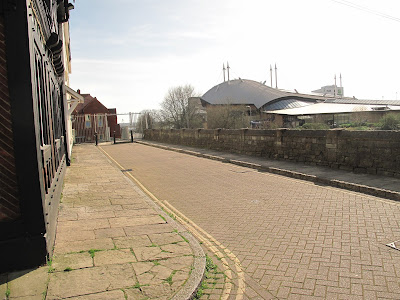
{"x":114,"y":208}
{"x":76,"y":246}
{"x":64,"y":235}
{"x":135,"y":212}
{"x":36,"y":297}
{"x":151,"y":253}
{"x":113,"y":257}
{"x":72,"y":260}
{"x":148,"y":229}
{"x":109,"y":232}
{"x":90,"y":280}
{"x":132,"y":242}
{"x":28,"y":283}
{"x":134,"y":294}
{"x":82,"y":225}
{"x":142,"y":205}
{"x":135,"y":221}
{"x":111,"y":295}
{"x":96,"y":215}
{"x":157,"y":291}
{"x":181,"y":248}
{"x":165,"y":238}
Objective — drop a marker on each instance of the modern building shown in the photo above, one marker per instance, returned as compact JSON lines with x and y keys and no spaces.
{"x":34,"y":153}
{"x":92,"y":118}
{"x":290,"y":109}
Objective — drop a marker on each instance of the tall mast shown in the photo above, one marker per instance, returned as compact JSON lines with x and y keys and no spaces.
{"x":270,"y":71}
{"x":227,"y":67}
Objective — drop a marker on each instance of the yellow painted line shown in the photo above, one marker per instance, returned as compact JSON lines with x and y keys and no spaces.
{"x":194,"y":229}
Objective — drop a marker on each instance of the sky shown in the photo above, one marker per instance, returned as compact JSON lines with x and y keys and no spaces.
{"x":128,"y":53}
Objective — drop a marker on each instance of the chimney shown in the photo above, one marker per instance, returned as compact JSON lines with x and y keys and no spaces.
{"x":78,"y":91}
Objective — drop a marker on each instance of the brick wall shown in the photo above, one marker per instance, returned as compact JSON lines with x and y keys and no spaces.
{"x":9,"y":205}
{"x":372,"y":152}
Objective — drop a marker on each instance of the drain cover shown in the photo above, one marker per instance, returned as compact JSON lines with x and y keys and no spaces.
{"x":394,"y":245}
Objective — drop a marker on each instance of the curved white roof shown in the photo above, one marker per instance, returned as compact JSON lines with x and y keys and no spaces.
{"x":246,"y":92}
{"x":242,"y":91}
{"x":331,"y":108}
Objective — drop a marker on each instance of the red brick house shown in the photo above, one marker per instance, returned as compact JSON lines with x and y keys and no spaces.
{"x":93,"y":117}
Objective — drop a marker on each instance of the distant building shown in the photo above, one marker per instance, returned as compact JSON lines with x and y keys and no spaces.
{"x":283,"y":108}
{"x":92,"y":117}
{"x":330,"y":90}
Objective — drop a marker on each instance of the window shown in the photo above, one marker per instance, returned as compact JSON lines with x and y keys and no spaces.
{"x":100,"y":121}
{"x":88,"y":122}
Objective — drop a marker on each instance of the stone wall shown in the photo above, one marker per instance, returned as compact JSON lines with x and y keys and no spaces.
{"x":372,"y":152}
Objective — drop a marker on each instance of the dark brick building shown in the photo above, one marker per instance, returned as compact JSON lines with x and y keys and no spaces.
{"x":92,"y":117}
{"x":33,"y":154}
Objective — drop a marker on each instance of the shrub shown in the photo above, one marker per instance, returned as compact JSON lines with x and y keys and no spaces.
{"x":314,"y":126}
{"x":390,"y":122}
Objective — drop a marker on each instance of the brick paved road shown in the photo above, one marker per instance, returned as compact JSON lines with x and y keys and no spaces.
{"x":295,"y":239}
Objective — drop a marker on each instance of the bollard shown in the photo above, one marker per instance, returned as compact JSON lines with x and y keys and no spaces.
{"x":95,"y":137}
{"x":114,"y":137}
{"x":131,"y":136}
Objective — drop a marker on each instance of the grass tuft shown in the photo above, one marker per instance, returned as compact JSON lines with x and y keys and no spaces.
{"x":92,"y":252}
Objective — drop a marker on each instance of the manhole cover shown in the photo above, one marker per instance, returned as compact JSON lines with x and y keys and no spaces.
{"x":394,"y":245}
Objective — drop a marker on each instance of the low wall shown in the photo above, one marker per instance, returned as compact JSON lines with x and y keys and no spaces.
{"x":372,"y":152}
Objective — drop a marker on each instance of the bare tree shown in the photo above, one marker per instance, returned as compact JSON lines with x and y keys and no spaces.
{"x":176,"y":109}
{"x":149,"y":119}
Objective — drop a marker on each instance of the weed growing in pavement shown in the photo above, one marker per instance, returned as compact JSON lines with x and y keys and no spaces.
{"x":175,"y":230}
{"x":153,"y":245}
{"x":67,"y":269}
{"x":92,"y":252}
{"x":138,"y":285}
{"x":210,"y":268}
{"x":163,"y":218}
{"x":171,"y":215}
{"x":200,"y":290}
{"x":49,"y":264}
{"x":169,"y":278}
{"x":125,"y":295}
{"x":8,"y":292}
{"x":156,"y":262}
{"x":185,"y":239}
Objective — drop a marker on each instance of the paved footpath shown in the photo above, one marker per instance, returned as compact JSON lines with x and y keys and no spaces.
{"x":275,"y":237}
{"x":112,"y":242}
